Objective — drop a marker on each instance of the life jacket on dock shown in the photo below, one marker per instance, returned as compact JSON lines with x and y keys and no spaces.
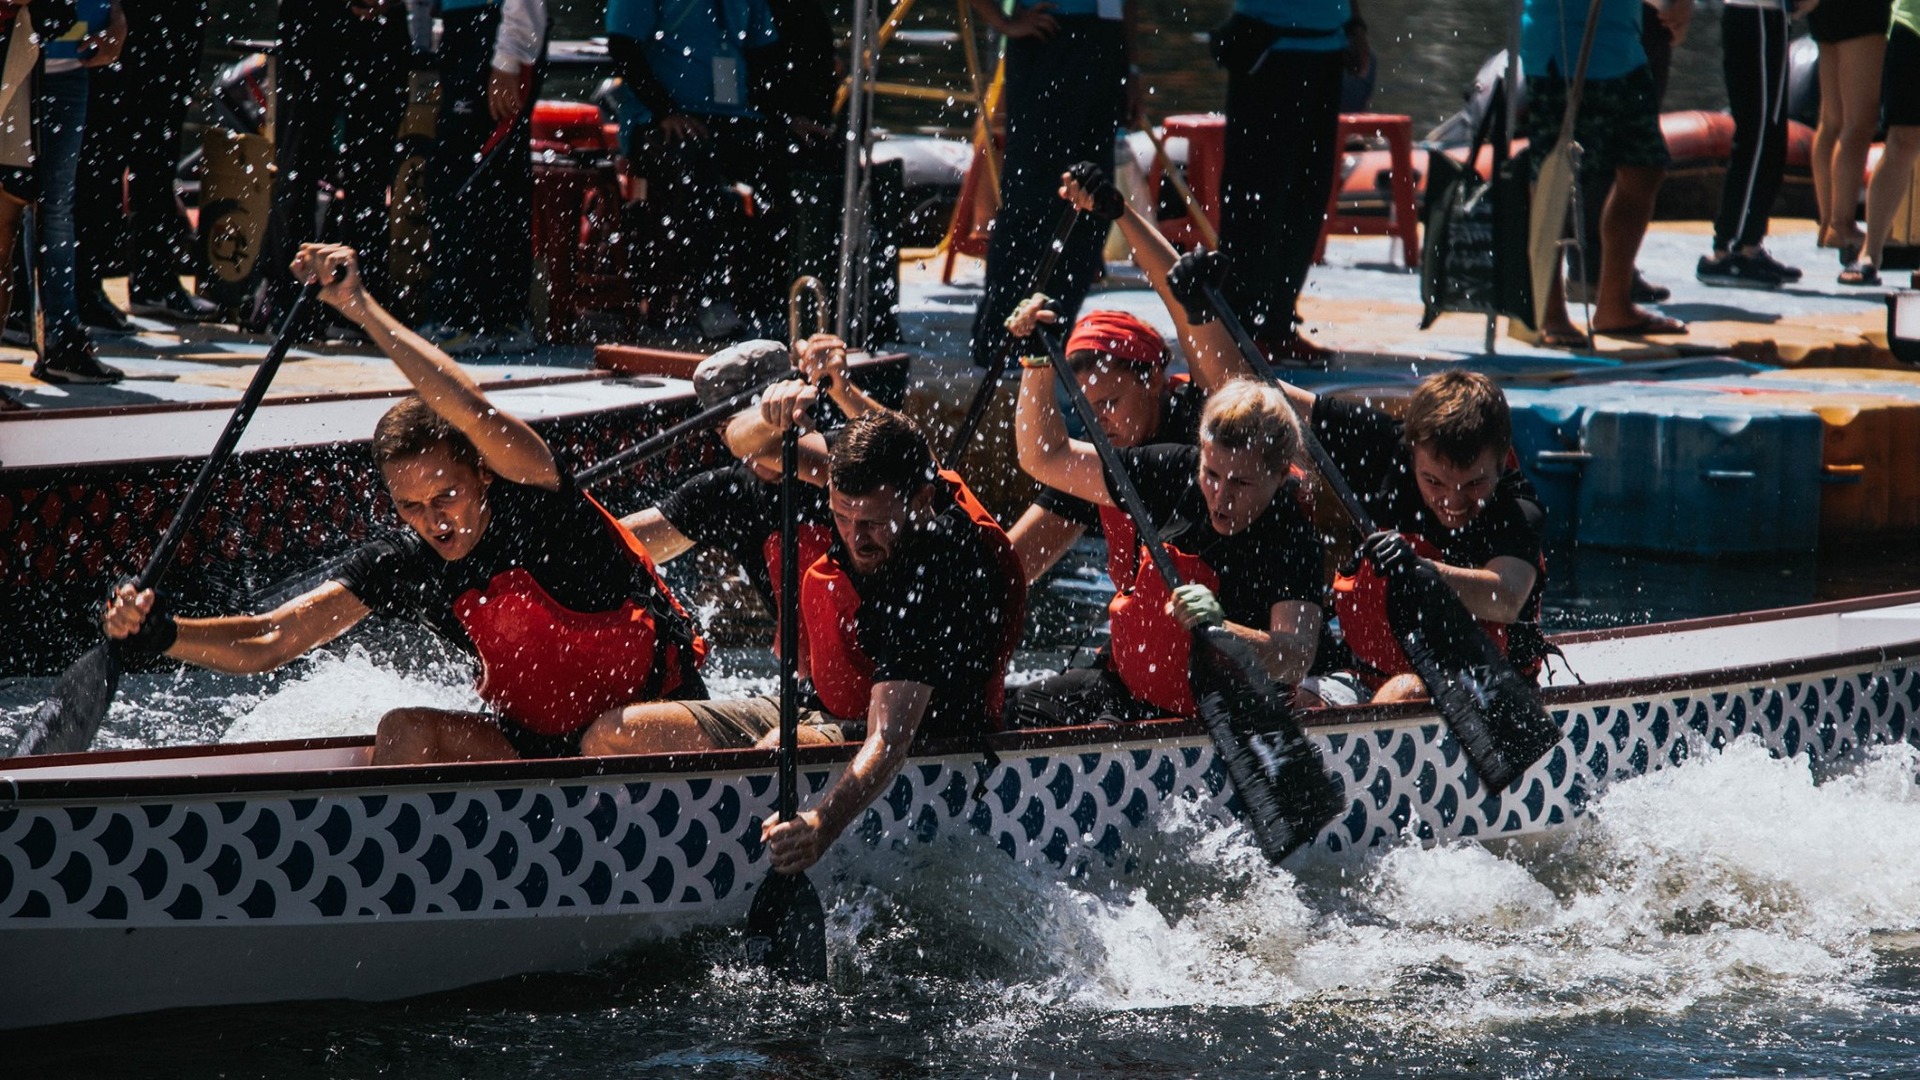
{"x":553,"y":670}
{"x":842,"y":672}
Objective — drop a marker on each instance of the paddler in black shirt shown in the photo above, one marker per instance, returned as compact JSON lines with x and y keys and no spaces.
{"x":505,"y":558}
{"x":1441,"y":485}
{"x":910,"y":619}
{"x":1235,"y":526}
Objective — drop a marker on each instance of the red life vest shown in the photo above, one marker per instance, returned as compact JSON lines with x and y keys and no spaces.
{"x":1360,"y":599}
{"x":813,"y":540}
{"x":841,"y":671}
{"x":553,"y":670}
{"x":1149,"y":647}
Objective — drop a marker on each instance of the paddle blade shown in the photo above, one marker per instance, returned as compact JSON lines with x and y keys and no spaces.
{"x":787,"y":928}
{"x":67,"y":721}
{"x":1283,"y":785}
{"x":1494,"y":711}
{"x":1547,"y":223}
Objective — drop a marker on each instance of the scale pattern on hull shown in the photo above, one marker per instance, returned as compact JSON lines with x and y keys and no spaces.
{"x":690,"y":846}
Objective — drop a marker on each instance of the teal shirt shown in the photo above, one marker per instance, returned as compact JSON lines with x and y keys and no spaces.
{"x":1545,"y":39}
{"x":1302,"y":15}
{"x":684,"y":38}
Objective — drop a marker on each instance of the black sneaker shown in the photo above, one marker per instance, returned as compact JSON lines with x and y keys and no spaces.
{"x":99,"y":314}
{"x":174,"y":305}
{"x":73,"y":360}
{"x":1735,"y":270}
{"x":1787,"y":273}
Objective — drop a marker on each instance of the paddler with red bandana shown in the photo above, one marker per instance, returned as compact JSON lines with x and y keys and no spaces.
{"x":1443,"y":486}
{"x":504,"y":556}
{"x":910,"y":619}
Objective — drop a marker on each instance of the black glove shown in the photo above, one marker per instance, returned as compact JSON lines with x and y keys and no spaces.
{"x":157,"y":631}
{"x":1190,"y":276}
{"x":1390,"y":553}
{"x":1107,"y":202}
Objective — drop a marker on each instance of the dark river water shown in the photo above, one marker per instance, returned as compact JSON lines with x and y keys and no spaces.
{"x":1727,"y":919}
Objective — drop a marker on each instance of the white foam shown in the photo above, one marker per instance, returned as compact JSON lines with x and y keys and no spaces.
{"x":345,"y":693}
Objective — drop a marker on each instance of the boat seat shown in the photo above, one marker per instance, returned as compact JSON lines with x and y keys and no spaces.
{"x":1402,"y":219}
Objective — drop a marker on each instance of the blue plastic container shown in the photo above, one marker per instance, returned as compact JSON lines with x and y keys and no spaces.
{"x":1547,"y":441}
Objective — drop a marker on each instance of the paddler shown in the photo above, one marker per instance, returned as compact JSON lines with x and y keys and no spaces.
{"x":1443,"y":485}
{"x":735,"y":508}
{"x":910,"y":619}
{"x":505,"y":557}
{"x":1121,"y":364}
{"x":1235,"y":524}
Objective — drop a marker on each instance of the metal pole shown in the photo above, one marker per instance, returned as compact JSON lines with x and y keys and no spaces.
{"x":1512,"y":102}
{"x":850,"y":186}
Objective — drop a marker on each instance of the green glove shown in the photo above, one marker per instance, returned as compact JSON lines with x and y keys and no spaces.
{"x":1195,"y":606}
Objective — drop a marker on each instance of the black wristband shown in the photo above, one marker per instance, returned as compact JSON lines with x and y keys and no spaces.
{"x":158,"y":631}
{"x":1107,"y":201}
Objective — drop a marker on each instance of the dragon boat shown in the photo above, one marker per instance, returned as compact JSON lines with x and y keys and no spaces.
{"x":133,"y":881}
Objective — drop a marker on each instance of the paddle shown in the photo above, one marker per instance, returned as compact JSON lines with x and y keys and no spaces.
{"x":1283,"y":786}
{"x":672,"y":436}
{"x":1494,"y":711}
{"x":977,"y":409}
{"x":1548,"y":212}
{"x":786,"y":927}
{"x":67,"y":722}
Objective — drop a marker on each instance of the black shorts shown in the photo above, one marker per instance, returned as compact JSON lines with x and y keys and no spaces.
{"x":1844,"y":20}
{"x":1077,"y":696}
{"x":1903,"y":77}
{"x":1618,"y":125}
{"x":19,"y":182}
{"x":532,"y":744}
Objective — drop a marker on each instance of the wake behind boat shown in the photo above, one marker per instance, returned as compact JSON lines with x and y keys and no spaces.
{"x":133,"y":881}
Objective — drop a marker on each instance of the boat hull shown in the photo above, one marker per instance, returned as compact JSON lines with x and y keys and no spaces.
{"x":131,"y":883}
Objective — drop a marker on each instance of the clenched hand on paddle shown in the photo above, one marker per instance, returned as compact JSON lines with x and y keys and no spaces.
{"x":1494,"y":711}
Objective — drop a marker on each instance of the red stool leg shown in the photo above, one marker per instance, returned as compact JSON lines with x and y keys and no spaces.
{"x":1406,"y":219}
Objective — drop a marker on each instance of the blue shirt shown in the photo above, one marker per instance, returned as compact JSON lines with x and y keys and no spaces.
{"x":683,"y":39}
{"x":466,"y":5}
{"x":1302,"y":15}
{"x":1545,"y":39}
{"x":93,"y":18}
{"x":1075,"y":7}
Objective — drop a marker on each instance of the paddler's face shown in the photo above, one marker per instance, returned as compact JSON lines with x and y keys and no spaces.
{"x":1126,"y":404}
{"x":441,"y":498}
{"x":1238,"y":486}
{"x":1455,"y":494}
{"x":871,"y":524}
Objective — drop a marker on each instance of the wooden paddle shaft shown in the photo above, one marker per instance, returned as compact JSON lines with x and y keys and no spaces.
{"x":977,"y":409}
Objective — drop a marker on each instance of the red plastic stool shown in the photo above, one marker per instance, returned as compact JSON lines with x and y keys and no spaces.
{"x":1402,"y":218}
{"x":1206,"y":135}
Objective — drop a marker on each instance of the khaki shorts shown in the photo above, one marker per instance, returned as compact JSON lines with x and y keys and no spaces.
{"x":742,"y":722}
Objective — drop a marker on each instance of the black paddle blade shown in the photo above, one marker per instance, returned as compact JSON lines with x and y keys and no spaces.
{"x":787,"y":928}
{"x":1493,"y":710}
{"x":1282,"y":783}
{"x":67,"y":722}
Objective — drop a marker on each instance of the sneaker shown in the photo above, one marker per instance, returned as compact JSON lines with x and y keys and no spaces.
{"x":74,"y":360}
{"x":718,"y":320}
{"x":1736,"y":270}
{"x":101,"y":316}
{"x":174,"y":305}
{"x":16,"y":332}
{"x":452,"y":339}
{"x":509,"y":340}
{"x":1786,"y":273}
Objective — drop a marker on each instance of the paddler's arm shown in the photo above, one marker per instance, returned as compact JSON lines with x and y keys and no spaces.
{"x":1496,"y":592}
{"x":824,"y":357}
{"x":753,"y":435}
{"x":663,"y":542}
{"x":893,"y":716}
{"x":1285,"y":648}
{"x":1212,"y":356}
{"x":509,"y":448}
{"x":244,"y":644}
{"x":1040,"y":537}
{"x":1040,"y":435}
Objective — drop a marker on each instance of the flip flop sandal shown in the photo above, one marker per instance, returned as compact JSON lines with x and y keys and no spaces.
{"x":1565,"y":339}
{"x":1860,"y":274}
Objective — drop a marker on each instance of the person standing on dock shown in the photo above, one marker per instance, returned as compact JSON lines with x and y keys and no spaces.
{"x":1071,"y":80}
{"x":1235,"y":521}
{"x":910,"y":619}
{"x":1284,"y":61}
{"x":1442,"y":485}
{"x":1753,"y":57}
{"x":1892,"y":177}
{"x":1618,"y":130}
{"x":503,"y":557}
